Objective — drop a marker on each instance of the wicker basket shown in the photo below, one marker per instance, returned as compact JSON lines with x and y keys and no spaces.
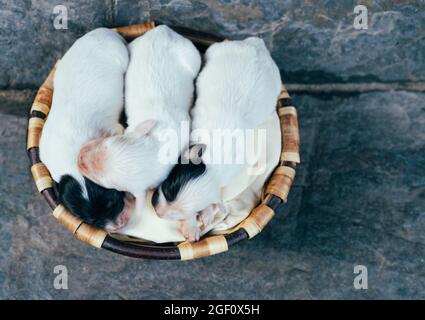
{"x":275,"y":191}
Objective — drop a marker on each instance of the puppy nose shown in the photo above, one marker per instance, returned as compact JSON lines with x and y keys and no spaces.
{"x":159,"y":212}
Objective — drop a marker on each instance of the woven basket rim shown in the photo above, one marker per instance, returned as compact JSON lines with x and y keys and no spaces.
{"x":275,"y":190}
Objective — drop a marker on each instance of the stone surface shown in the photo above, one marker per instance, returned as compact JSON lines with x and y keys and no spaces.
{"x":29,"y":43}
{"x":358,"y":199}
{"x":316,"y":41}
{"x":310,"y":41}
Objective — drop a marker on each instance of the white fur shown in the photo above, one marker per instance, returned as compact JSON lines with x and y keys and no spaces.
{"x":237,"y":89}
{"x":87,"y":101}
{"x":159,"y":93}
{"x":239,"y":197}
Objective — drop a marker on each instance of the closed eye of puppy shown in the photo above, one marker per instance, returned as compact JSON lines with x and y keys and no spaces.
{"x":87,"y":103}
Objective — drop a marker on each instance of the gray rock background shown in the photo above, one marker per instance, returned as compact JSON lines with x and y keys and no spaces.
{"x":359,"y":195}
{"x":312,"y":41}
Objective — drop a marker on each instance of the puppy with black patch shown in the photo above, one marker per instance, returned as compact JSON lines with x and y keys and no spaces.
{"x":87,"y":101}
{"x":159,"y":93}
{"x":237,"y":89}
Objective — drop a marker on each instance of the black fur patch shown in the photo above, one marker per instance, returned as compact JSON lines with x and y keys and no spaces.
{"x":155,"y":197}
{"x":179,"y":176}
{"x":104,"y":205}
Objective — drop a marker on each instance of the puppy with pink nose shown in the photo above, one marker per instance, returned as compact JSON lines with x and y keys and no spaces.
{"x":237,"y":89}
{"x":159,"y":89}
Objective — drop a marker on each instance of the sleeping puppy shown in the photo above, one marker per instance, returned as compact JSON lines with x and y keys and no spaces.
{"x":87,"y":101}
{"x":237,"y":89}
{"x":159,"y":90}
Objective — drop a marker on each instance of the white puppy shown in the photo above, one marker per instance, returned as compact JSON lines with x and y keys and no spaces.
{"x":237,"y":89}
{"x":159,"y":93}
{"x":87,"y":101}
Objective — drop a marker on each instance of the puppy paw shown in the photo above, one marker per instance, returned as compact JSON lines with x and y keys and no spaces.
{"x":190,"y":231}
{"x":206,"y":216}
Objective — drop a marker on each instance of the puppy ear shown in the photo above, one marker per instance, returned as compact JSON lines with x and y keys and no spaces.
{"x":144,"y":128}
{"x":194,"y":153}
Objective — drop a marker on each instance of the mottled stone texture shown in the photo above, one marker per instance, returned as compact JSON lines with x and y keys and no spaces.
{"x":312,"y":41}
{"x":358,"y":198}
{"x":29,"y":43}
{"x":315,"y":41}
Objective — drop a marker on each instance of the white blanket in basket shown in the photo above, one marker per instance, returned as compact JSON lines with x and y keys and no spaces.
{"x":240,"y":197}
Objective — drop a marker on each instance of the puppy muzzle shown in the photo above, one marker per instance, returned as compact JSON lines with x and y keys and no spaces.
{"x":125,"y":215}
